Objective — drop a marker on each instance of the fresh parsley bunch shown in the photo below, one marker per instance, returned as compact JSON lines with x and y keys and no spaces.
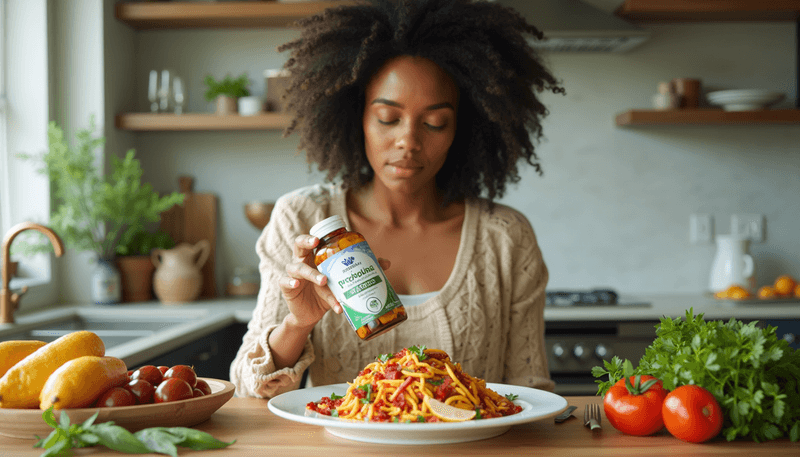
{"x":753,"y":374}
{"x":162,"y":440}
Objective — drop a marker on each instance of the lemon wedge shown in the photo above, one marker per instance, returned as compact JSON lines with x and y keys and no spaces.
{"x":448,"y":413}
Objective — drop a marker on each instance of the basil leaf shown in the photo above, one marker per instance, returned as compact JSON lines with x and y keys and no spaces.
{"x":49,"y":417}
{"x":158,"y":440}
{"x":198,"y":440}
{"x":117,"y":438}
{"x":512,"y":397}
{"x":336,"y":397}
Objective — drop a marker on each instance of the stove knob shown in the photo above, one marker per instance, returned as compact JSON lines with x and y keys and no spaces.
{"x":558,"y":350}
{"x":601,"y":351}
{"x":580,"y":352}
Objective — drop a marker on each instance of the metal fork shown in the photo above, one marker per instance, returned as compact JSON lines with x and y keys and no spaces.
{"x":591,"y":416}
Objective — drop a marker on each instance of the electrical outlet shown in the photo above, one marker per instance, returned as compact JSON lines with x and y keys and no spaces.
{"x":748,"y":226}
{"x":701,"y":228}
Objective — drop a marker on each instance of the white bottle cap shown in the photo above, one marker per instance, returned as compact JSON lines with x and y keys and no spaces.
{"x":327,"y":226}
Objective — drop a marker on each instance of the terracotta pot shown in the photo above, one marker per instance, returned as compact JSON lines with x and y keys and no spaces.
{"x":178,"y":278}
{"x":226,"y":105}
{"x":136,"y":272}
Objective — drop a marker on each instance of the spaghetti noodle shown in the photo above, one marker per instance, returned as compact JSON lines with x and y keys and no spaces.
{"x":395,"y":386}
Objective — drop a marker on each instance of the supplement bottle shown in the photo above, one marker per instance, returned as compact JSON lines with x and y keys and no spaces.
{"x":356,"y":279}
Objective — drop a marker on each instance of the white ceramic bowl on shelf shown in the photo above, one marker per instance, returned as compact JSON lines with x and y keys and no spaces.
{"x":744,"y":99}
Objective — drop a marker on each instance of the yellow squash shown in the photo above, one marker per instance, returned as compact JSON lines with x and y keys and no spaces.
{"x":12,"y":352}
{"x":21,"y":385}
{"x":79,"y":382}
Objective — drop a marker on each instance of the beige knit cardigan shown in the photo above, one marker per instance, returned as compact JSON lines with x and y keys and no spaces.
{"x":488,"y":316}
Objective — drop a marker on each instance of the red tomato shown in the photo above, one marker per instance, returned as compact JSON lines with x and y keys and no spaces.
{"x":115,"y":396}
{"x":149,"y":373}
{"x":692,"y":414}
{"x":197,"y":393}
{"x":634,"y":410}
{"x":142,"y":390}
{"x":203,"y":386}
{"x":162,"y":368}
{"x":184,"y":372}
{"x":173,"y":389}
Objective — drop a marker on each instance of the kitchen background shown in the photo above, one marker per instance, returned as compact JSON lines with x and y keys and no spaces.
{"x":611,"y":210}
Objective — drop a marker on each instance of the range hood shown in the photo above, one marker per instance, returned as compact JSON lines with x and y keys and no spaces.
{"x":575,"y":26}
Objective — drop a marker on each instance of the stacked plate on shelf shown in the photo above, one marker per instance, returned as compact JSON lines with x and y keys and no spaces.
{"x":744,"y":99}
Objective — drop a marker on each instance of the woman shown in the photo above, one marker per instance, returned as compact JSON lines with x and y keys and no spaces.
{"x":419,"y":112}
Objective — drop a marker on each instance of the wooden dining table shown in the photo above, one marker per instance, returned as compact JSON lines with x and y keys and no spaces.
{"x":259,"y":432}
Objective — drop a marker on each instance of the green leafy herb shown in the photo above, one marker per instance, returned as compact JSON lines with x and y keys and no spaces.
{"x":420,"y":419}
{"x":753,"y":374}
{"x":435,"y":382}
{"x":334,"y":413}
{"x":368,"y":389}
{"x":419,"y":351}
{"x":229,"y":86}
{"x":383,"y":358}
{"x":478,"y":413}
{"x":511,"y":397}
{"x":160,"y":440}
{"x":336,"y":397}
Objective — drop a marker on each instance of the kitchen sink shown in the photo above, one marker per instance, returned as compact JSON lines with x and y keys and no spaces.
{"x":113,"y":326}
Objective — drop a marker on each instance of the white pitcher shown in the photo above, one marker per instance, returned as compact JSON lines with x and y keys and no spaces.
{"x":732,"y":264}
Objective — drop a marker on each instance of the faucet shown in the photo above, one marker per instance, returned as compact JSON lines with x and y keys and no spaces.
{"x":9,"y":301}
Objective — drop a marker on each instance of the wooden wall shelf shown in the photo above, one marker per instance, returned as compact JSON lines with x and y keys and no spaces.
{"x":153,"y":122}
{"x":177,"y":14}
{"x":642,"y":118}
{"x":709,"y":10}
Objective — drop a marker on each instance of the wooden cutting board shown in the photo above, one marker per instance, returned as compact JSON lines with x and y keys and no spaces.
{"x":193,"y":221}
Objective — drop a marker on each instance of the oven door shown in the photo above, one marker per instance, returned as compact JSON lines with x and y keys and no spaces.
{"x":575,"y":347}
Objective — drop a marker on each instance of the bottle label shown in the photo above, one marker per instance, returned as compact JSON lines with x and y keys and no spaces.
{"x":357,"y":280}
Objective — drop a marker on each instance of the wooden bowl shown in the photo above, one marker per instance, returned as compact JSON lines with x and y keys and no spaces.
{"x":258,"y":213}
{"x":25,"y":423}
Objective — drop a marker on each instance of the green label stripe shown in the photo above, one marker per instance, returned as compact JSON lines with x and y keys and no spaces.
{"x":361,"y":287}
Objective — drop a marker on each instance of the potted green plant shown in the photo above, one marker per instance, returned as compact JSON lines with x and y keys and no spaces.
{"x":135,"y":264}
{"x":226,"y":92}
{"x":96,"y":212}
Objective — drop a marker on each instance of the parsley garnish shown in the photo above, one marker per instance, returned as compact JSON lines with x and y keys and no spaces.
{"x":383,"y":358}
{"x":478,"y":413}
{"x":336,"y":397}
{"x":420,"y":419}
{"x":512,"y":397}
{"x":437,"y":382}
{"x":419,"y":351}
{"x":368,"y":389}
{"x":334,"y":412}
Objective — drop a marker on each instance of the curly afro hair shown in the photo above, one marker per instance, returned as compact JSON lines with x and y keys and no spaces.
{"x":482,"y":45}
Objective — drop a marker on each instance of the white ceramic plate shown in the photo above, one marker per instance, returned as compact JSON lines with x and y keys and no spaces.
{"x":744,"y":99}
{"x":536,"y":405}
{"x":25,"y":423}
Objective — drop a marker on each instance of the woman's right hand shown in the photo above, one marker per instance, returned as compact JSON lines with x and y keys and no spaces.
{"x":304,"y":288}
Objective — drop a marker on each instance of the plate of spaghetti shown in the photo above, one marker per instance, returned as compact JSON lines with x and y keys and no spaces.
{"x":416,"y":396}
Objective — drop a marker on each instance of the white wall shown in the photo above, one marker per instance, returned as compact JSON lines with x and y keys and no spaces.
{"x":613,"y":206}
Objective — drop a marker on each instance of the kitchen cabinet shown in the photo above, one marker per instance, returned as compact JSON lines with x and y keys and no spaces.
{"x":658,"y":11}
{"x":211,"y":356}
{"x":181,"y":15}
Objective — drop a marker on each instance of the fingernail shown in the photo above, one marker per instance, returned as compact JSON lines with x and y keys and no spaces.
{"x":319,"y":278}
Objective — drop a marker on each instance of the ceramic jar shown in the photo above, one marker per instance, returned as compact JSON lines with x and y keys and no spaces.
{"x":732,"y":264}
{"x":178,"y":278}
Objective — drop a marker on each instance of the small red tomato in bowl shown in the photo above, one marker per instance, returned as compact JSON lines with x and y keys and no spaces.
{"x":115,"y":396}
{"x":184,"y":372}
{"x":173,"y":389}
{"x":149,"y":373}
{"x":691,"y":413}
{"x":633,"y":405}
{"x":203,"y":386}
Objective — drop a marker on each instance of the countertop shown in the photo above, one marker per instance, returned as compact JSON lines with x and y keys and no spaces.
{"x":207,"y":316}
{"x":258,"y":432}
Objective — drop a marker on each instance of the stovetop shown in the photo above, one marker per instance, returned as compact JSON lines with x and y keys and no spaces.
{"x":594,"y":297}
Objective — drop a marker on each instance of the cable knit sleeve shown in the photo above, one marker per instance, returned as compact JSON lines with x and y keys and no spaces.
{"x":526,"y":364}
{"x":253,"y":370}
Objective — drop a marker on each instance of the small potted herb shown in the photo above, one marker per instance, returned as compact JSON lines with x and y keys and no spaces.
{"x":94,"y":211}
{"x":135,"y":264}
{"x":226,"y":92}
